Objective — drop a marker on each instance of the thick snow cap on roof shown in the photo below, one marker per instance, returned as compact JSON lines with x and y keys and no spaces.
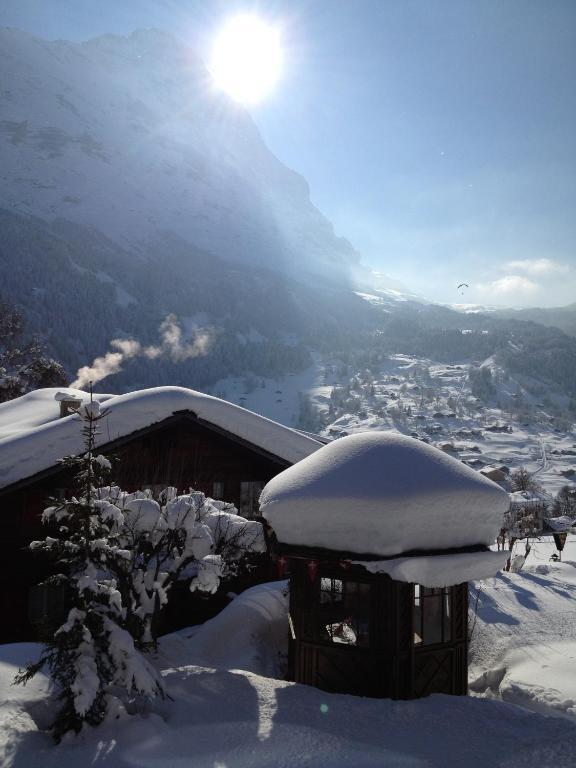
{"x":34,"y":438}
{"x":440,"y":570}
{"x":380,"y":493}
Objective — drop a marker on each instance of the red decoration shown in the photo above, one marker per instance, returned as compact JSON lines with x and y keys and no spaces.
{"x":312,"y":567}
{"x":560,"y":540}
{"x":281,"y":564}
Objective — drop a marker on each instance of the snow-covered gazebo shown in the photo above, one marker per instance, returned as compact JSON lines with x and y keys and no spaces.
{"x":382,"y":533}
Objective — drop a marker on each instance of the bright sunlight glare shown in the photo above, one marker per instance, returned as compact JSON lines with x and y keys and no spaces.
{"x":247,"y":59}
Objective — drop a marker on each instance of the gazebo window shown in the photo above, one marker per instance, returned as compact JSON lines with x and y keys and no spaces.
{"x":432,"y":615}
{"x":344,"y":615}
{"x":331,"y":591}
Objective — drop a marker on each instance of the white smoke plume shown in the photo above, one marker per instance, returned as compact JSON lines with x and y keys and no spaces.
{"x":172,"y":345}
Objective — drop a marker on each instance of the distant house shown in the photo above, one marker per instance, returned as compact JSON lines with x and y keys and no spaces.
{"x":527,"y":513}
{"x":162,"y":436}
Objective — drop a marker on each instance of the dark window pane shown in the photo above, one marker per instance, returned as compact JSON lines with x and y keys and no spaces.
{"x":249,"y":495}
{"x":432,"y":615}
{"x":48,"y":602}
{"x":330,"y":590}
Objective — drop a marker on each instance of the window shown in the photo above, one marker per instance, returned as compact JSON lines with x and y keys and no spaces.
{"x":48,"y":602}
{"x":217,"y":489}
{"x":330,"y":591}
{"x":432,"y":615}
{"x":249,"y":495}
{"x":344,"y":615}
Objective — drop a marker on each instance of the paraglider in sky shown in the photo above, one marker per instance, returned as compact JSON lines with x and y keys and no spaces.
{"x":462,"y":285}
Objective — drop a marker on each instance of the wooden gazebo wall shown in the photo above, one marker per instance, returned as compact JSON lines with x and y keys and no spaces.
{"x":392,"y":665}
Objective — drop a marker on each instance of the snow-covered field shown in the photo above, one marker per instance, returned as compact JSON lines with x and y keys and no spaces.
{"x":277,"y":399}
{"x":415,"y":396}
{"x":523,"y":647}
{"x":434,"y":402}
{"x":230,"y":709}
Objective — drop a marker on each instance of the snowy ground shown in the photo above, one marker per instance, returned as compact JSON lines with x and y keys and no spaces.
{"x":228,"y":711}
{"x":277,"y":399}
{"x":523,"y":646}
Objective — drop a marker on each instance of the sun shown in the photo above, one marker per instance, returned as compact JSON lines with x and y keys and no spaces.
{"x":247,"y":59}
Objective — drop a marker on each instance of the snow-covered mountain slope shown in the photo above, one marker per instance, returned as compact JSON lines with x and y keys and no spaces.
{"x":558,"y":317}
{"x":79,"y":289}
{"x":129,"y":135}
{"x":131,"y":189}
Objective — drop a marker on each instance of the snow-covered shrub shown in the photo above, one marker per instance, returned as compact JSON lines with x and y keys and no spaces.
{"x":119,"y":554}
{"x":152,"y":543}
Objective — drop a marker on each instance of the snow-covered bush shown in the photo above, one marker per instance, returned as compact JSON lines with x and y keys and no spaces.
{"x":119,"y":554}
{"x":152,"y":543}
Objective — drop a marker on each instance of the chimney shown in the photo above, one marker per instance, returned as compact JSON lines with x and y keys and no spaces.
{"x":68,"y":403}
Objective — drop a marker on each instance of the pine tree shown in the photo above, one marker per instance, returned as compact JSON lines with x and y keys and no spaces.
{"x":24,"y":366}
{"x":91,"y":657}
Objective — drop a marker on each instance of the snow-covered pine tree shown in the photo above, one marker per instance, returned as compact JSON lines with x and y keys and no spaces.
{"x":91,"y":657}
{"x":120,"y":554}
{"x":24,"y":366}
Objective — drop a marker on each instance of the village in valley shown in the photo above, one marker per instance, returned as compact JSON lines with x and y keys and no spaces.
{"x":270,"y":501}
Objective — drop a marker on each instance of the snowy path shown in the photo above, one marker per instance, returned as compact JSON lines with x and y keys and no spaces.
{"x":544,"y":465}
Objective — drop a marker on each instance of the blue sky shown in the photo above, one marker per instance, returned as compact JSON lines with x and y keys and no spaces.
{"x":439,"y":137}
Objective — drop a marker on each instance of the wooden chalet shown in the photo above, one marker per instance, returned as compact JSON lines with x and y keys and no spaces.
{"x":161,"y":437}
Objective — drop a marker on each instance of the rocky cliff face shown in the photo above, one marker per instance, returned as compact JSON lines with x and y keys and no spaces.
{"x":128,"y":135}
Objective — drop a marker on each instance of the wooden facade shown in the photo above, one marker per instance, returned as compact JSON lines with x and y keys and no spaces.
{"x":183,"y":451}
{"x":366,"y":634}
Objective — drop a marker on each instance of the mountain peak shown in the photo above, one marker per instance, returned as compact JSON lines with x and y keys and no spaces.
{"x":129,"y":135}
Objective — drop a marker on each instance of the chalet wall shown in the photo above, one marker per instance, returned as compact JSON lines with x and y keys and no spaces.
{"x":182,"y":452}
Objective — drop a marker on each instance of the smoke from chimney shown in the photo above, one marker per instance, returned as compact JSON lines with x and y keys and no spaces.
{"x":172,"y":345}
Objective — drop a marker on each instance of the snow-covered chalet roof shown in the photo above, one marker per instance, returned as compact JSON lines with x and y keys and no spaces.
{"x":561,"y":524}
{"x":33,"y":437}
{"x":532,"y":498}
{"x":384,"y":494}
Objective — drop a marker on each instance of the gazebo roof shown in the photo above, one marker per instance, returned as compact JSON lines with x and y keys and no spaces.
{"x":383,"y":494}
